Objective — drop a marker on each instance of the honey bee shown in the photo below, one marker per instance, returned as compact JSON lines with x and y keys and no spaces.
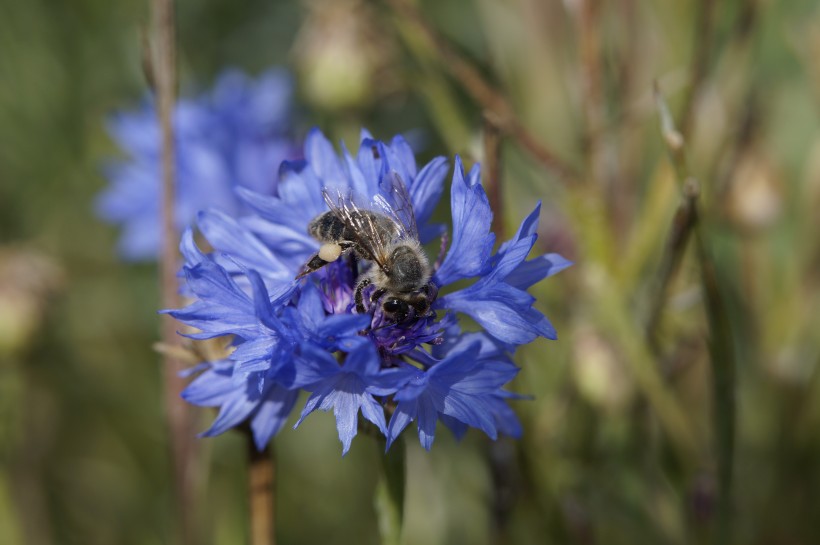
{"x":388,"y":239}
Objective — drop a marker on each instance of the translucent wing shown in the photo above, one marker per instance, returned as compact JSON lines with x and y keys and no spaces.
{"x":371,"y":232}
{"x":394,"y":201}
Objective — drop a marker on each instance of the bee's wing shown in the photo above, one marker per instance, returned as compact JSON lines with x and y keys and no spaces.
{"x":395,"y":202}
{"x":368,"y":236}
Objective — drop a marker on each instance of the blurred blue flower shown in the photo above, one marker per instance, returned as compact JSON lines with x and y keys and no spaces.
{"x":236,"y":135}
{"x":359,"y":359}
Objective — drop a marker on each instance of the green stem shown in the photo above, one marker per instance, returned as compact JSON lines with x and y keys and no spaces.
{"x":389,"y":496}
{"x":721,"y":344}
{"x":721,"y":348}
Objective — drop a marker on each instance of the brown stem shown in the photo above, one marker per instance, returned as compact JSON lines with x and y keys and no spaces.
{"x":179,"y":418}
{"x":591,"y":84}
{"x":491,"y":173}
{"x":487,"y":96}
{"x":261,"y":478}
{"x":627,"y":144}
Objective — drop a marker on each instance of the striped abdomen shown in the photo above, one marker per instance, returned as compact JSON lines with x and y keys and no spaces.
{"x":329,"y":228}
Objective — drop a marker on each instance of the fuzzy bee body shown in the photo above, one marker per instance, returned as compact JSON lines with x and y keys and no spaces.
{"x":328,"y":228}
{"x":399,"y":270}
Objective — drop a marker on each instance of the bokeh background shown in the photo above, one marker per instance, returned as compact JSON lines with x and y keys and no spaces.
{"x":692,"y":421}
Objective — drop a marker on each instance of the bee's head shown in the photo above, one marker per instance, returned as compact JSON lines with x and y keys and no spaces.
{"x":397,"y":309}
{"x":414,"y":305}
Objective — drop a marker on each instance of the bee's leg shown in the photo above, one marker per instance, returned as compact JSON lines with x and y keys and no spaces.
{"x":376,"y":294}
{"x":328,"y":253}
{"x":363,"y":283}
{"x":316,"y":262}
{"x":423,"y":302}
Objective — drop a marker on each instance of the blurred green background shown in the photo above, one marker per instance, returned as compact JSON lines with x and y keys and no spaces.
{"x":699,"y":423}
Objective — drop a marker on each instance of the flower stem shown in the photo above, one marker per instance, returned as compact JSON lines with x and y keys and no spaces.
{"x":592,"y":87}
{"x":492,"y":173}
{"x":501,"y":459}
{"x":684,"y":221}
{"x":389,"y":497}
{"x":261,"y":479}
{"x":163,"y":77}
{"x":721,"y":335}
{"x":724,"y":410}
{"x":704,"y":38}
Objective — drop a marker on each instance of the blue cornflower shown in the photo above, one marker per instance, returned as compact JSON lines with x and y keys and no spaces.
{"x":236,"y":135}
{"x":303,"y":322}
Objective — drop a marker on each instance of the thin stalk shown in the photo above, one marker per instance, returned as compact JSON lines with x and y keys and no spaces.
{"x":808,"y":420}
{"x":445,"y":107}
{"x":389,"y":496}
{"x":721,"y":349}
{"x":627,"y":145}
{"x":683,"y":222}
{"x":491,"y":174}
{"x":179,"y":418}
{"x":592,"y":86}
{"x":702,"y":40}
{"x":502,"y":461}
{"x":609,"y":310}
{"x":721,"y":345}
{"x":261,"y":483}
{"x":484,"y":93}
{"x":500,"y":454}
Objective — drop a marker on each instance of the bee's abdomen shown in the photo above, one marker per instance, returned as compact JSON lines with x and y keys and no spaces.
{"x":327,"y":228}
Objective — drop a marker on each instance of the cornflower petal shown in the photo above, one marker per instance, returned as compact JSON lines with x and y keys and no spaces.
{"x":427,"y":189}
{"x":358,"y":181}
{"x":233,"y":412}
{"x":472,"y":241}
{"x":527,"y":273}
{"x":504,"y":309}
{"x":309,"y":334}
{"x":536,"y":269}
{"x":234,"y":136}
{"x":321,"y":157}
{"x":226,"y":235}
{"x":448,"y":388}
{"x":404,"y":154}
{"x":272,"y":414}
{"x":212,"y":387}
{"x":343,"y":389}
